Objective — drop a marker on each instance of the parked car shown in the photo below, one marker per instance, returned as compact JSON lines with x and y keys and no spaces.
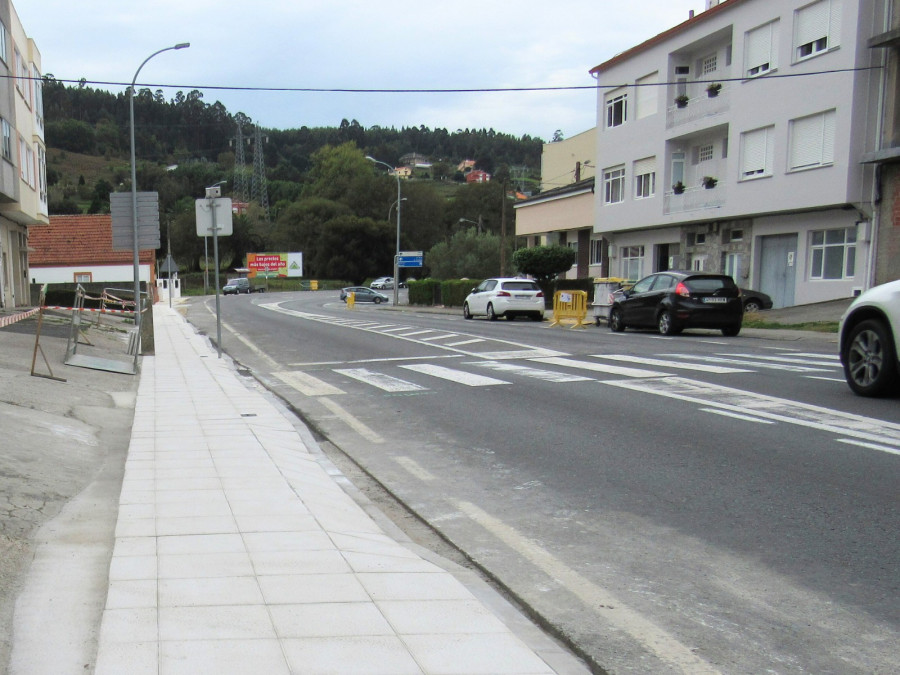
{"x":675,"y":300}
{"x":364,"y":294}
{"x":868,"y":341}
{"x":237,"y":286}
{"x":755,"y":301}
{"x":507,"y":298}
{"x":383,"y":283}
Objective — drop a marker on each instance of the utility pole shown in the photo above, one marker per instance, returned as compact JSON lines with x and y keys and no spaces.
{"x":503,"y":230}
{"x":241,"y":191}
{"x":259,"y":186}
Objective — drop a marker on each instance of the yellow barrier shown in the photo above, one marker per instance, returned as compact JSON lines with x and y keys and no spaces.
{"x":314,"y":285}
{"x":351,"y":300}
{"x":570,"y":306}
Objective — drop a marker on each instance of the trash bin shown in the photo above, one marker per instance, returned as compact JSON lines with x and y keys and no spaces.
{"x":603,"y":296}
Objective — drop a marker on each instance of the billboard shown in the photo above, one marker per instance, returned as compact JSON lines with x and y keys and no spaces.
{"x":270,"y":265}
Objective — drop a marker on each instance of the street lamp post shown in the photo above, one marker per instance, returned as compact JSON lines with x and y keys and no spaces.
{"x":134,"y":213}
{"x":397,"y":250}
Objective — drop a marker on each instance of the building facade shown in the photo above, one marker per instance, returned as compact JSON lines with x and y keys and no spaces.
{"x":23,"y":155}
{"x":737,"y":146}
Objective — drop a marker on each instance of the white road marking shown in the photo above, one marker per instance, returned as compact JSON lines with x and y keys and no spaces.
{"x":415,"y":332}
{"x":379,"y":380}
{"x":306,"y":384}
{"x":537,"y":373}
{"x":871,"y":446}
{"x":600,"y":367}
{"x":464,"y":342}
{"x":598,"y":600}
{"x":440,"y":337}
{"x":737,"y":416}
{"x":395,"y":330}
{"x":827,"y":357}
{"x":769,"y":407}
{"x":749,"y":362}
{"x":827,"y":379}
{"x":382,"y":360}
{"x":790,"y":359}
{"x":459,"y":376}
{"x":355,"y":424}
{"x":699,"y":367}
{"x":416,"y":469}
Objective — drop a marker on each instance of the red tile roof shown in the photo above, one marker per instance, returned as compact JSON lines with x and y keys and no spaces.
{"x":78,"y":240}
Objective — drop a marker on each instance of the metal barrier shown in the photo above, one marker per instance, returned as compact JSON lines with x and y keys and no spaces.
{"x":570,"y":306}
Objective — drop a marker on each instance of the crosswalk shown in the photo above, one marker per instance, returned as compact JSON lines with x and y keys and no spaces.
{"x":397,"y":376}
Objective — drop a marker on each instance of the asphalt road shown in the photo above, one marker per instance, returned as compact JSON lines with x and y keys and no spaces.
{"x":686,"y":504}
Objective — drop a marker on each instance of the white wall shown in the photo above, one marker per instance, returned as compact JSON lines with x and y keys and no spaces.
{"x":120,"y":274}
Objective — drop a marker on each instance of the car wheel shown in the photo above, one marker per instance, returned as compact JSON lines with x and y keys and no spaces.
{"x":870,"y":364}
{"x":467,"y":314}
{"x":752,"y":306}
{"x":376,"y":300}
{"x":666,"y":324}
{"x":490,"y":313}
{"x":731,"y":331}
{"x":616,"y":325}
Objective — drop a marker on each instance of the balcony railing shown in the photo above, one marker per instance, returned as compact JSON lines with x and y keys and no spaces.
{"x":698,"y":107}
{"x":695,"y":199}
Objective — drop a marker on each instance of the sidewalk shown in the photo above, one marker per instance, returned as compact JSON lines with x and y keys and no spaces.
{"x":237,"y":552}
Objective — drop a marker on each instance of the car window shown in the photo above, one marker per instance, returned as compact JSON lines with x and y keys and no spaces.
{"x":644,"y":284}
{"x":520,"y":286}
{"x":708,"y":284}
{"x":663,"y":282}
{"x":490,"y":284}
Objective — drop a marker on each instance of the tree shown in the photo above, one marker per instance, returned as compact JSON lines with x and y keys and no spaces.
{"x":467,"y":254}
{"x":544,"y":262}
{"x":353,"y":248}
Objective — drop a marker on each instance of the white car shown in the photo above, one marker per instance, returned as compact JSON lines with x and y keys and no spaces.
{"x":382,"y":283}
{"x":868,"y":341}
{"x":505,"y":297}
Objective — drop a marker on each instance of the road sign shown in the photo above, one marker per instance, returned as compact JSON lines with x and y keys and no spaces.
{"x":205,"y":217}
{"x":410,"y":259}
{"x":120,"y":207}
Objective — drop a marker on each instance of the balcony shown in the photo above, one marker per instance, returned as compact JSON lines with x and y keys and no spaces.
{"x":699,"y":106}
{"x":696,"y":198}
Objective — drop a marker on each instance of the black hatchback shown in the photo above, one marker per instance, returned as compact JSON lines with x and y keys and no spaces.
{"x":674,"y":300}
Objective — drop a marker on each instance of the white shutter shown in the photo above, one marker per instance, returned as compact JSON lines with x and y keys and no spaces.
{"x":813,"y":22}
{"x":647,"y":165}
{"x":828,"y":131}
{"x":759,"y":46}
{"x":834,"y":27}
{"x":753,"y":160}
{"x":812,"y":140}
{"x":647,"y":95}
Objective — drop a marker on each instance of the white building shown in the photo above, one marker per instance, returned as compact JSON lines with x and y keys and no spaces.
{"x":23,"y":160}
{"x":787,"y":204}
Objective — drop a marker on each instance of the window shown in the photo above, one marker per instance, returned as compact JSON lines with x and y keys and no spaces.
{"x":812,"y":141}
{"x":614,"y":185}
{"x":816,"y":28}
{"x":705,"y":153}
{"x":4,"y":43}
{"x":38,"y":87}
{"x":677,"y":167}
{"x":7,"y":142}
{"x":83,"y":277}
{"x":833,"y":254}
{"x":632,"y":262}
{"x":647,"y":95}
{"x":698,"y":262}
{"x":644,"y":178}
{"x":736,"y":235}
{"x":596,"y":251}
{"x":760,"y":49}
{"x":616,"y":108}
{"x":731,"y":264}
{"x":21,"y":74}
{"x":757,"y":153}
{"x":42,"y":174}
{"x":708,"y":65}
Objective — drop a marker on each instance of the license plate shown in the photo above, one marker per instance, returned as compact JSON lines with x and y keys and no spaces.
{"x":715,"y":300}
{"x":522,"y":297}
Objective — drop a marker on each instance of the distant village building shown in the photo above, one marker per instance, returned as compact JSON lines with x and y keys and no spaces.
{"x":478,"y":176}
{"x":466,"y":166}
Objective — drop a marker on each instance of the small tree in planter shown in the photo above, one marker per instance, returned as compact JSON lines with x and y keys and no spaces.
{"x":709,"y":182}
{"x":713,"y":89}
{"x":678,"y":188}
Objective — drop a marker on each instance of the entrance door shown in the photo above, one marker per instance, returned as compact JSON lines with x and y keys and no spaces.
{"x":778,"y":268}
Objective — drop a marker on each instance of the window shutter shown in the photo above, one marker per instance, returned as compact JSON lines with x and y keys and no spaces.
{"x":647,"y":165}
{"x":834,"y":28}
{"x":806,"y":142}
{"x":754,"y":158}
{"x":828,"y":131}
{"x":813,"y":22}
{"x":647,"y":95}
{"x":759,"y":46}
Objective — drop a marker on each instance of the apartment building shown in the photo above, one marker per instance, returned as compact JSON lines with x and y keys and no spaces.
{"x":734,"y":142}
{"x":23,"y":159}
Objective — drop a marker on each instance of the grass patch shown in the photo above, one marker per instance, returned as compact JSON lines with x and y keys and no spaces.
{"x":756,"y":321}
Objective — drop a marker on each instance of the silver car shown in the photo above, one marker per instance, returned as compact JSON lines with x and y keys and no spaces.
{"x":506,"y":297}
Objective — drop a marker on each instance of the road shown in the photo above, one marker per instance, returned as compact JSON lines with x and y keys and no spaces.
{"x":694,"y":504}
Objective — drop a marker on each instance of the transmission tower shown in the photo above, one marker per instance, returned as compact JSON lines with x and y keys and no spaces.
{"x":241,"y":192}
{"x":259,"y":186}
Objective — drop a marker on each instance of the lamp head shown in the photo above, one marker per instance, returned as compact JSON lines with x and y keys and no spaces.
{"x":182,"y":45}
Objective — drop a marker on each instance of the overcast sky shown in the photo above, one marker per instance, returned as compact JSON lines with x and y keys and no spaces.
{"x":356,"y":44}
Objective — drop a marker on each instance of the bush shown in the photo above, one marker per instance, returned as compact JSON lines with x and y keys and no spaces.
{"x":454,"y":291}
{"x":425,"y":292}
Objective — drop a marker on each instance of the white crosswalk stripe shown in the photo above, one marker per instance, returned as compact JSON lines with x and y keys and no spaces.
{"x":698,"y":367}
{"x":536,"y":373}
{"x":460,"y":376}
{"x":749,"y":362}
{"x":379,"y":380}
{"x":600,"y":367}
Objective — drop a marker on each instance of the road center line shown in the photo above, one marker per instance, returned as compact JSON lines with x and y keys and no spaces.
{"x":596,"y":599}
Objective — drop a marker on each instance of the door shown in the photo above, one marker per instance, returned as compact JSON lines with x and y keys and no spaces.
{"x":778,"y":268}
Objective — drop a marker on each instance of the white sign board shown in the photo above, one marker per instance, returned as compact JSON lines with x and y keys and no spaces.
{"x":204,"y":211}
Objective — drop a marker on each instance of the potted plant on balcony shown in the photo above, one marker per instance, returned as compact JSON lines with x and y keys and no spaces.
{"x":709,"y":182}
{"x":678,"y":188}
{"x":713,"y":89}
{"x":681,"y":100}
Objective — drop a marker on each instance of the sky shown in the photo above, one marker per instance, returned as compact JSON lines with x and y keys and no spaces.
{"x":353,"y":45}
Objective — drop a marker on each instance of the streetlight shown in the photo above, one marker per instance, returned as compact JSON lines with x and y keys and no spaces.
{"x":397,"y":251}
{"x":134,"y":210}
{"x":479,"y":223}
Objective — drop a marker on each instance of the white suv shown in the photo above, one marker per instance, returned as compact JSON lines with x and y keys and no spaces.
{"x":505,"y":297}
{"x":868,"y":341}
{"x":382,"y":283}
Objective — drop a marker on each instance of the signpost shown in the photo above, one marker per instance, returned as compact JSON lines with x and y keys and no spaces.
{"x":410,"y":259}
{"x":214,"y":217}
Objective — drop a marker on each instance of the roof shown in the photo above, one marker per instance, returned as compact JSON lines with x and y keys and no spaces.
{"x":584,"y":185}
{"x":665,"y":35}
{"x":78,"y":240}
